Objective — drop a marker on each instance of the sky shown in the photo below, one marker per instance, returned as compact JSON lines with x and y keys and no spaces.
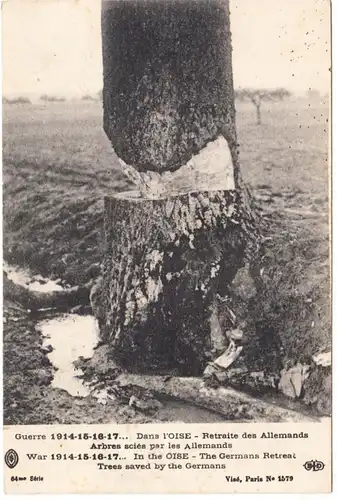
{"x":54,"y":46}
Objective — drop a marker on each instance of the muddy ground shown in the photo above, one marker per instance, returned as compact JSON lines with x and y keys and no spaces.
{"x":58,"y":165}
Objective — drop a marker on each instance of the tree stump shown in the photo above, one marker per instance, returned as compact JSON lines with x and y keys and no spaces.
{"x":180,"y":238}
{"x":164,"y":261}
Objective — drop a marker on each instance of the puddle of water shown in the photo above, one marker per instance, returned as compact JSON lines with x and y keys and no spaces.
{"x":35,"y":283}
{"x":71,"y":336}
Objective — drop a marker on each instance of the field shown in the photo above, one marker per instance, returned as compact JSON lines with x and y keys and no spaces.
{"x":58,"y":165}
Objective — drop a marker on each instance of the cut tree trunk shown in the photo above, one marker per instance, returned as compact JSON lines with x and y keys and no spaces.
{"x":169,"y":113}
{"x":168,"y":83}
{"x":165,"y":260}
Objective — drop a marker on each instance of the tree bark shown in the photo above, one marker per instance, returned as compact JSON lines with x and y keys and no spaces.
{"x":168,"y":83}
{"x":165,"y":260}
{"x":169,"y":112}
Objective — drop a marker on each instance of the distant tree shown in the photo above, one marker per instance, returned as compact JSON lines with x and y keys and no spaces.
{"x":257,"y":96}
{"x":100,"y":95}
{"x":16,"y":100}
{"x":88,"y":97}
{"x":280,"y":93}
{"x":51,"y":98}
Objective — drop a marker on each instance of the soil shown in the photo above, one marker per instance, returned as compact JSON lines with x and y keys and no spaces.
{"x":58,"y":165}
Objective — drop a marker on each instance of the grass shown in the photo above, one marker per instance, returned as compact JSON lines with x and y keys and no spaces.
{"x":58,"y":165}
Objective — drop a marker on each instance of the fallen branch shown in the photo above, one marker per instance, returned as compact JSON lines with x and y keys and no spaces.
{"x":56,"y":299}
{"x":226,"y":401}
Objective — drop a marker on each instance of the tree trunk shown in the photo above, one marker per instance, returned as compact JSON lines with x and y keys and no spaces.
{"x":163,"y":262}
{"x":168,"y":83}
{"x":172,"y":246}
{"x":258,"y":113}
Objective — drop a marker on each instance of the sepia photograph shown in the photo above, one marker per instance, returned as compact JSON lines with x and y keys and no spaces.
{"x":166,"y":212}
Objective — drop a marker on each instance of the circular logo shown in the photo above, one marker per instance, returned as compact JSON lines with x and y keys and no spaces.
{"x":314,"y":465}
{"x":11,"y":459}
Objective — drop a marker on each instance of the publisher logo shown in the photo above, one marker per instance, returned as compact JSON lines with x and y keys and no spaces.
{"x":313,"y":465}
{"x":11,"y":459}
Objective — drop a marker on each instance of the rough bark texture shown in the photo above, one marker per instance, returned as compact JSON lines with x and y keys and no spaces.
{"x":165,"y":261}
{"x":169,"y":107}
{"x":168,"y":85}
